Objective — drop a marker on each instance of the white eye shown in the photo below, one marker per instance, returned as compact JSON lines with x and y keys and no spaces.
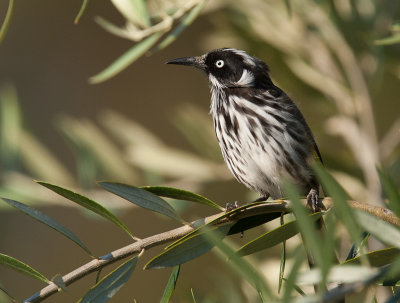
{"x":219,"y":63}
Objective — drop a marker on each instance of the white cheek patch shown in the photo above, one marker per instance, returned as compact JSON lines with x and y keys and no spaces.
{"x":247,"y":79}
{"x":215,"y":82}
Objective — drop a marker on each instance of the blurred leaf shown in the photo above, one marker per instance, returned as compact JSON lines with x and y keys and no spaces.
{"x":141,"y":198}
{"x":10,"y":127}
{"x":90,"y":141}
{"x":133,"y":10}
{"x":382,"y":230}
{"x":391,"y":191}
{"x":282,"y":264}
{"x":273,"y":237}
{"x":8,"y":294}
{"x":241,"y":265}
{"x":340,"y":198}
{"x":126,"y":59}
{"x":394,"y":39}
{"x":209,"y":224}
{"x":306,"y":225}
{"x":395,"y":298}
{"x":87,"y":203}
{"x":194,"y":123}
{"x":378,"y":258}
{"x":291,"y":279}
{"x":107,"y":287}
{"x":7,"y":20}
{"x":338,"y":274}
{"x":81,"y":11}
{"x":41,"y":161}
{"x":112,"y":28}
{"x":21,"y":267}
{"x":185,"y":22}
{"x":169,"y":289}
{"x":180,"y":194}
{"x":42,"y":218}
{"x":186,"y":250}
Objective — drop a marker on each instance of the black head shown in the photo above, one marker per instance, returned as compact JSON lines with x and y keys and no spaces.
{"x":229,"y":67}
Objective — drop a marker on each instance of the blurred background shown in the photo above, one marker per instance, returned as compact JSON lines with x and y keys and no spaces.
{"x":149,"y":123}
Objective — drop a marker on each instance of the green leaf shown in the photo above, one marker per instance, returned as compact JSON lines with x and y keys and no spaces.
{"x":282,"y":264}
{"x":253,"y":221}
{"x":7,"y":20}
{"x":22,"y":268}
{"x":306,"y":224}
{"x":241,"y":265}
{"x":273,"y":237}
{"x":133,"y":10}
{"x":391,"y":191}
{"x":388,"y":40}
{"x":169,"y":289}
{"x":126,"y":59}
{"x":107,"y":287}
{"x":382,"y":230}
{"x":186,"y":21}
{"x":291,"y":279}
{"x":355,"y":250}
{"x":87,"y":203}
{"x":42,"y":218}
{"x":180,"y":194}
{"x":207,"y":226}
{"x":185,"y":251}
{"x":378,"y":258}
{"x":81,"y":11}
{"x":340,"y":198}
{"x":141,"y":198}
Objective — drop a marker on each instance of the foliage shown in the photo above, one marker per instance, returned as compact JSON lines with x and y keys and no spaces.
{"x":319,"y":45}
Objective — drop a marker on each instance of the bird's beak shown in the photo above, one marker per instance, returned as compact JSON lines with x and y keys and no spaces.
{"x":190,"y":61}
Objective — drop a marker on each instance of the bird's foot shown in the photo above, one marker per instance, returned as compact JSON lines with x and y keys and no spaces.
{"x":230,"y":206}
{"x":313,"y":201}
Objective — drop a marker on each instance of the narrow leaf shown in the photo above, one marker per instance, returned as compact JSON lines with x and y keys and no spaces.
{"x":185,"y":251}
{"x":388,"y":40}
{"x":205,"y":226}
{"x":42,"y":218}
{"x":306,"y":224}
{"x":141,"y":198}
{"x":354,"y":250}
{"x":186,"y":21}
{"x":340,"y":198}
{"x":382,"y":230}
{"x":291,"y":279}
{"x":273,"y":237}
{"x":180,"y":194}
{"x":169,"y":289}
{"x":126,"y":59}
{"x":378,"y":258}
{"x":7,"y":20}
{"x":242,"y":266}
{"x":87,"y":203}
{"x":81,"y":11}
{"x":391,"y":192}
{"x":282,"y":264}
{"x":107,"y":287}
{"x":21,"y":267}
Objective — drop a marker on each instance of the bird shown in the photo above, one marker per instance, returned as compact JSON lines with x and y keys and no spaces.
{"x":263,"y":136}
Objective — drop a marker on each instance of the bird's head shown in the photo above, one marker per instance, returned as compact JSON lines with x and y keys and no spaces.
{"x":229,"y":67}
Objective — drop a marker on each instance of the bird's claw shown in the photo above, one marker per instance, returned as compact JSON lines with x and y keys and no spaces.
{"x":313,"y":201}
{"x":230,"y":206}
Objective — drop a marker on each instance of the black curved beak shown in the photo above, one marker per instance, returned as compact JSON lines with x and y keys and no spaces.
{"x":197,"y":62}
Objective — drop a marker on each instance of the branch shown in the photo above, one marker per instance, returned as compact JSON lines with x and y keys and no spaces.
{"x":279,"y":206}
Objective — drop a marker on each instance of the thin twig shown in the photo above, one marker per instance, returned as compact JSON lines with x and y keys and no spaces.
{"x":280,"y":206}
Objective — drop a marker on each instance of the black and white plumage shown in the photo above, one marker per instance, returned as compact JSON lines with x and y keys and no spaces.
{"x":263,"y":136}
